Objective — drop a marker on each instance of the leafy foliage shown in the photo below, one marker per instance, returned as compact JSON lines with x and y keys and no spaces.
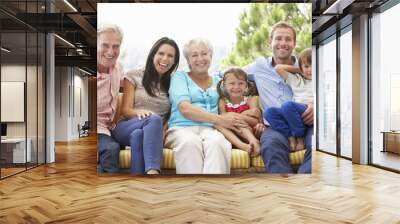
{"x":252,"y":35}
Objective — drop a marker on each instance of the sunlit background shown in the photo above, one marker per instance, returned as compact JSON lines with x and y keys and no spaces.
{"x":143,"y":24}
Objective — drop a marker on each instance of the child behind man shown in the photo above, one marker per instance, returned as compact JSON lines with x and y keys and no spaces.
{"x":287,"y":119}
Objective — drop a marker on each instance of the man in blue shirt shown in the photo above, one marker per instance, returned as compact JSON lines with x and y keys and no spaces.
{"x":273,"y":92}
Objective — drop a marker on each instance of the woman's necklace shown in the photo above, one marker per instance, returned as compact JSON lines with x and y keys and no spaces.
{"x":201,"y":82}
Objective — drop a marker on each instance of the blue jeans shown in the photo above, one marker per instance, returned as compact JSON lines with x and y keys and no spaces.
{"x":108,"y":150}
{"x":287,"y":119}
{"x":146,"y":140}
{"x":275,"y":152}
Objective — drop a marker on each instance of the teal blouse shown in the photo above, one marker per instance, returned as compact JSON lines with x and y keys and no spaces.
{"x":183,"y":88}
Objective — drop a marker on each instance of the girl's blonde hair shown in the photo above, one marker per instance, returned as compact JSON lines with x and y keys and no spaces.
{"x":238,"y":73}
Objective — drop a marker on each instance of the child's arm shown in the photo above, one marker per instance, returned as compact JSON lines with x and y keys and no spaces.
{"x":284,"y":70}
{"x":253,"y":104}
{"x":248,"y":118}
{"x":221,"y":110}
{"x":253,"y":115}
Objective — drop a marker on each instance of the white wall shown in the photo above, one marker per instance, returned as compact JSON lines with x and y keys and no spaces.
{"x":69,"y":85}
{"x":34,"y":124}
{"x":15,"y":73}
{"x":61,"y":103}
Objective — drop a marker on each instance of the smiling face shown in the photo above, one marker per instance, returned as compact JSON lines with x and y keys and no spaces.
{"x":108,"y":47}
{"x":164,"y":58}
{"x":282,"y":43}
{"x":199,"y":58}
{"x":306,"y":70}
{"x":235,"y":86}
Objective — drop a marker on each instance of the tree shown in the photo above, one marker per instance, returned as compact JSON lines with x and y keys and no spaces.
{"x":252,"y":35}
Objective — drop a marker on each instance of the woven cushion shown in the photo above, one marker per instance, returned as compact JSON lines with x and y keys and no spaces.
{"x":239,"y":160}
{"x":168,"y":161}
{"x":295,"y":158}
{"x":125,"y":159}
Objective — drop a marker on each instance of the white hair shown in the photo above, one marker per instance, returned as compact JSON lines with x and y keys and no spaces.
{"x":110,"y":28}
{"x":196,"y":41}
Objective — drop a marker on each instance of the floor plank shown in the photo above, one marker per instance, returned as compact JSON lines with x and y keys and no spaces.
{"x":70,"y":191}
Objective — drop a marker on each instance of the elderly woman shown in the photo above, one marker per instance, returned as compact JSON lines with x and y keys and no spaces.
{"x":198,"y":147}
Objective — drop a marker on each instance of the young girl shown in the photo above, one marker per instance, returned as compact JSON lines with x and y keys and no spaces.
{"x":287,"y":119}
{"x":233,"y":90}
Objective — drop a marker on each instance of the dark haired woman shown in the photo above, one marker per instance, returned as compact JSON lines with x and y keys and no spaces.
{"x":145,"y":107}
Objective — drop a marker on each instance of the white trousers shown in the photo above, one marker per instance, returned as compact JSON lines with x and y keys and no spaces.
{"x":199,"y":150}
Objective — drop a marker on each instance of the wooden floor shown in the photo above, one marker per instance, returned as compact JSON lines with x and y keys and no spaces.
{"x":386,"y":159}
{"x":70,"y":191}
{"x":10,"y":171}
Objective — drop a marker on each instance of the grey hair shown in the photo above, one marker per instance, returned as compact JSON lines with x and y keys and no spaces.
{"x":110,"y":28}
{"x":196,"y":41}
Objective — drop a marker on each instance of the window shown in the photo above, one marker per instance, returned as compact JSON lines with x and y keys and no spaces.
{"x":22,"y":67}
{"x":385,"y":84}
{"x":327,"y":96}
{"x":346,"y":94}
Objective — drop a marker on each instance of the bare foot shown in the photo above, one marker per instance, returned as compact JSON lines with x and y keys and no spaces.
{"x":152,"y":172}
{"x":255,"y":148}
{"x":251,"y":148}
{"x":292,"y":143}
{"x":245,"y":147}
{"x":300,"y":144}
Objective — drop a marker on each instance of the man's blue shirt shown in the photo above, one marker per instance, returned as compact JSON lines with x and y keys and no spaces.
{"x":271,"y":86}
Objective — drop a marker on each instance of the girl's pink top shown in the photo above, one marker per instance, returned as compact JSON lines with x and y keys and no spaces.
{"x":237,"y":108}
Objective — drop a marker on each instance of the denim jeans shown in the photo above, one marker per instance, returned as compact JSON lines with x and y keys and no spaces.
{"x":287,"y":119}
{"x":108,"y":150}
{"x":146,"y":140}
{"x":275,"y":152}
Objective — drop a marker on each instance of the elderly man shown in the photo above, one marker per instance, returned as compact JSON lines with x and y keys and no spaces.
{"x":109,"y":73}
{"x":273,"y":92}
